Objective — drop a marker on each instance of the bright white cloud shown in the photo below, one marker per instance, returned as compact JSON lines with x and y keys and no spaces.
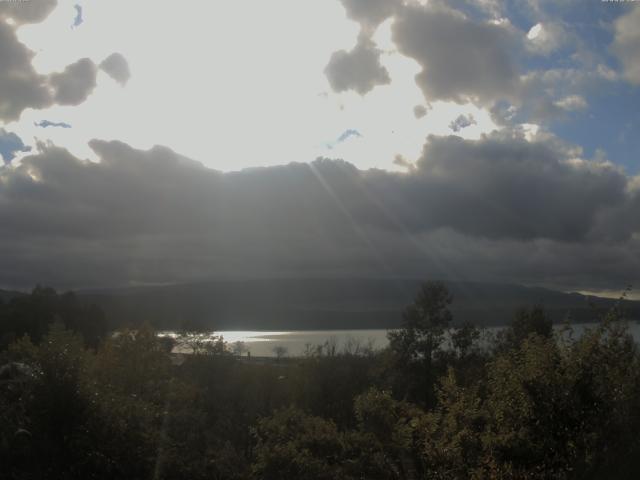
{"x":546,"y":38}
{"x":572,"y":103}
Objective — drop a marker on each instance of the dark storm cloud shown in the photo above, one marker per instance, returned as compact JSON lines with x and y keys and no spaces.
{"x":500,"y":207}
{"x":358,"y":69}
{"x":506,"y":186}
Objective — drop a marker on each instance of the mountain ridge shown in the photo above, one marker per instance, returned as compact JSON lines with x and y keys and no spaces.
{"x":310,"y":304}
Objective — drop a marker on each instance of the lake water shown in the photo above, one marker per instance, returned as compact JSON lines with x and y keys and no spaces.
{"x":296,"y":343}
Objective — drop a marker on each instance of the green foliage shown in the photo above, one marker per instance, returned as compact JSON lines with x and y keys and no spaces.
{"x":80,"y":411}
{"x":392,"y":428}
{"x":291,"y":444}
{"x":134,"y":362}
{"x":327,"y":385}
{"x":547,"y":409}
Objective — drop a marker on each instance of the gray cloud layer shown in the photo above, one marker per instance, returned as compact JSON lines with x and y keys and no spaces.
{"x":498,"y":208}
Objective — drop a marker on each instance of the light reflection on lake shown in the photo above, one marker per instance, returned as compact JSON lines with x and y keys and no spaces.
{"x":263,"y":344}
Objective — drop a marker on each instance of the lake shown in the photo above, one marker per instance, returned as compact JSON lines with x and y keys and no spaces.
{"x":296,"y":343}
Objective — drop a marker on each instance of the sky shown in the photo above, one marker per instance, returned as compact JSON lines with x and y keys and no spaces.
{"x":156,"y":142}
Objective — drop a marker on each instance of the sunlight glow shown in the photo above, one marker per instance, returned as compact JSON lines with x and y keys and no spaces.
{"x":239,"y":88}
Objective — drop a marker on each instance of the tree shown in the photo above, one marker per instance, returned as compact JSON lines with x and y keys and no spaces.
{"x":452,"y":433}
{"x":527,"y":321}
{"x":291,"y":444}
{"x":424,"y":324}
{"x":393,"y":429}
{"x":280,"y":351}
{"x":415,"y":346}
{"x":463,"y":338}
{"x":33,"y":314}
{"x":239,"y":348}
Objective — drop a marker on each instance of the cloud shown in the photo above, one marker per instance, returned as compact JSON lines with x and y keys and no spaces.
{"x":499,"y":207}
{"x":75,"y":83}
{"x":626,"y":44}
{"x":419,"y":111}
{"x":463,"y":121}
{"x":572,"y":103}
{"x":370,"y":13}
{"x":545,"y":38}
{"x":47,"y":124}
{"x":358,"y":69}
{"x":22,"y":12}
{"x":507,"y":187}
{"x":10,"y":144}
{"x":461,"y":59}
{"x":21,"y":86}
{"x":117,"y":67}
{"x":547,"y":94}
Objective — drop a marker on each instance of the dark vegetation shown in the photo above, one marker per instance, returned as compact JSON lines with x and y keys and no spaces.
{"x":439,"y":403}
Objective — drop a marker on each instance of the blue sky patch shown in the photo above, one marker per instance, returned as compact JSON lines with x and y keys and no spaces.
{"x":79,"y":19}
{"x":47,"y":124}
{"x":10,"y":145}
{"x":348,"y":133}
